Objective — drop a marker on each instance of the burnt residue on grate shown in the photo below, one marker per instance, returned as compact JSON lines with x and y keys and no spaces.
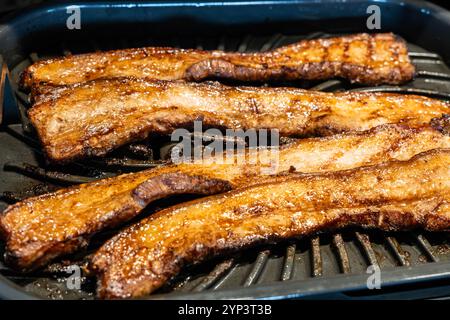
{"x":348,"y":252}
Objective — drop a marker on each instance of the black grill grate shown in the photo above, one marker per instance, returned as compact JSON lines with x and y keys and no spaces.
{"x":327,"y":256}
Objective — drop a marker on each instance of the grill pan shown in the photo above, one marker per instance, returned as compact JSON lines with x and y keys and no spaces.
{"x":413,"y":264}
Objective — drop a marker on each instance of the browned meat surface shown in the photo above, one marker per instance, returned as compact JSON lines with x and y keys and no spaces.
{"x":41,"y":228}
{"x":96,"y":117}
{"x":363,"y":58}
{"x":391,"y":196}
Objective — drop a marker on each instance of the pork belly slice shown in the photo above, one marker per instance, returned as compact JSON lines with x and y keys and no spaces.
{"x":362,"y":58}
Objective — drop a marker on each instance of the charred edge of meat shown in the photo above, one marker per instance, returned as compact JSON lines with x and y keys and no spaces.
{"x":221,"y":68}
{"x":59,"y":151}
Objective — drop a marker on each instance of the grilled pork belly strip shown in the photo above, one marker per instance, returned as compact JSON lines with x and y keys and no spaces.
{"x":41,"y":228}
{"x":391,"y":196}
{"x":363,"y":58}
{"x":96,"y":117}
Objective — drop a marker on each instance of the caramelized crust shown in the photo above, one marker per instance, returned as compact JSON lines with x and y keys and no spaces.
{"x":96,"y":117}
{"x":363,"y":58}
{"x":41,"y":228}
{"x":391,"y":196}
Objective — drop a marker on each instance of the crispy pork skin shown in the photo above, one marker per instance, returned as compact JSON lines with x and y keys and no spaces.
{"x":93,"y":118}
{"x":392,"y":196}
{"x":41,"y":228}
{"x":362,"y":58}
